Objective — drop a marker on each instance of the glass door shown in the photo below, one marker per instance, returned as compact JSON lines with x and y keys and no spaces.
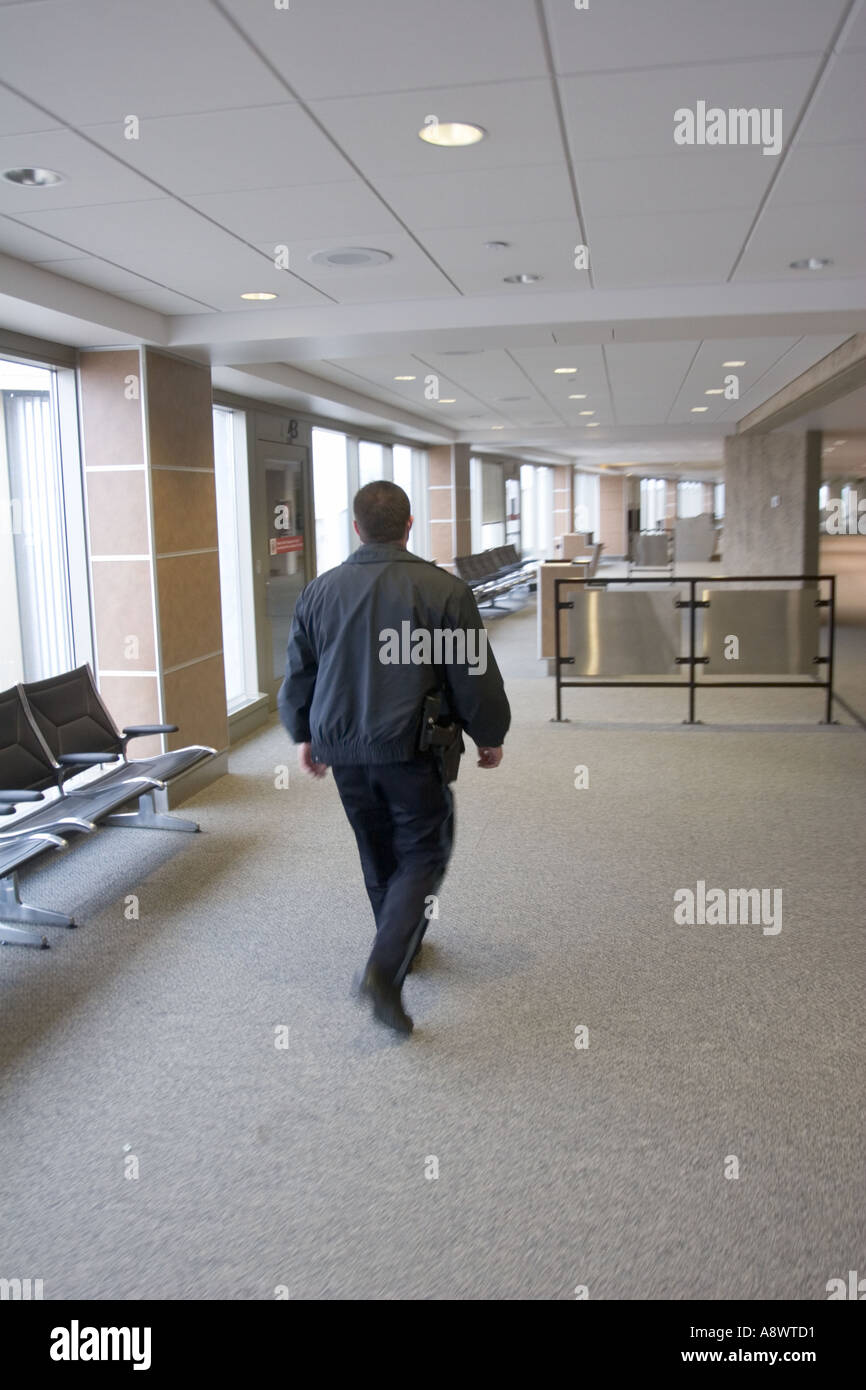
{"x":283,"y":561}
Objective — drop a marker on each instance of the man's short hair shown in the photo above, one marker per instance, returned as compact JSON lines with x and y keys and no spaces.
{"x":382,"y":511}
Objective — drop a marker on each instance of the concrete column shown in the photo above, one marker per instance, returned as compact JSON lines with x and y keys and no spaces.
{"x":151,"y":504}
{"x":563,"y":500}
{"x":771,"y":503}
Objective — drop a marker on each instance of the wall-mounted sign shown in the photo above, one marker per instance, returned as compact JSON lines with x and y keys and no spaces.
{"x":281,"y":545}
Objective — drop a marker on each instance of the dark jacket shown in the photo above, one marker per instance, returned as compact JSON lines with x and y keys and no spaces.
{"x":353,"y":707}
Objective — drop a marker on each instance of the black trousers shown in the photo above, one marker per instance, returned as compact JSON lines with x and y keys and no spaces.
{"x":403,"y":818}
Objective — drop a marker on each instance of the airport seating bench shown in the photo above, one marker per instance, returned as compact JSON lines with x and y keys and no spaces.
{"x":58,"y":738}
{"x":495,"y":572}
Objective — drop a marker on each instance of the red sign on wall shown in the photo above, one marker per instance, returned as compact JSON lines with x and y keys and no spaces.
{"x":281,"y":545}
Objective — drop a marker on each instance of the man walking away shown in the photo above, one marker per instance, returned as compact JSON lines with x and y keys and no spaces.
{"x":379,"y":647}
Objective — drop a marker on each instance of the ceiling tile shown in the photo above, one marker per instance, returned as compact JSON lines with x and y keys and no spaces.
{"x":396,"y":45}
{"x":89,"y":175}
{"x":322,"y":210}
{"x":832,"y":231}
{"x":103,"y":276}
{"x":821,"y":174}
{"x":229,"y":151}
{"x":475,"y":198}
{"x":691,"y":180}
{"x":623,"y":115}
{"x":101,"y":60}
{"x":381,"y":132}
{"x":838,"y":113}
{"x":633,"y":34}
{"x":666,"y":249}
{"x":409,"y":275}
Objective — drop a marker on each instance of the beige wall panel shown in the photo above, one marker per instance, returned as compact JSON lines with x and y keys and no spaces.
{"x":440,"y":466}
{"x":111,"y":424}
{"x":184,"y":511}
{"x":117,"y":512}
{"x":441,"y":503}
{"x":179,"y":403}
{"x":122,"y":608}
{"x":441,"y":544}
{"x":195,"y":699}
{"x":133,"y":700}
{"x":612,"y":515}
{"x":189,"y":607}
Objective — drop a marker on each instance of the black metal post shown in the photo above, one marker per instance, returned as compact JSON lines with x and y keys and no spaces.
{"x":692,"y":683}
{"x":829,"y":714}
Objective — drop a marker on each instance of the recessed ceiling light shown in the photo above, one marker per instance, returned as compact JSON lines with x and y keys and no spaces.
{"x":496,"y":245}
{"x":734,"y":364}
{"x":592,"y":424}
{"x":521,"y":279}
{"x":811,"y":263}
{"x":497,"y":427}
{"x":404,"y":378}
{"x":350,"y":257}
{"x":715,"y":391}
{"x":578,"y":396}
{"x":564,"y":371}
{"x":839,"y":441}
{"x":503,"y":399}
{"x":462,"y":352}
{"x":451,"y":133}
{"x":447,"y":400}
{"x":697,"y":409}
{"x":587,"y":412}
{"x":32,"y":178}
{"x":258,"y":294}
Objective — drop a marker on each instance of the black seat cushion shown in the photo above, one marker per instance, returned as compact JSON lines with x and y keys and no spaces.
{"x":25,"y":763}
{"x":70,"y":714}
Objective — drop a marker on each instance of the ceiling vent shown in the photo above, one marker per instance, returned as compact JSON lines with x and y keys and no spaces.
{"x":350,"y":257}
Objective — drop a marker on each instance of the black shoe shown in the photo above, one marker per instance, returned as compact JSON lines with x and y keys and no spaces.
{"x":385,"y":999}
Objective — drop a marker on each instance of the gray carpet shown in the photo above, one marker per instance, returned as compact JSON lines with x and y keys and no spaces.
{"x":305,"y":1167}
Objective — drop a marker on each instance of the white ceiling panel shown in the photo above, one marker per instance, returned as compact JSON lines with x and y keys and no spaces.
{"x":647,"y":369}
{"x":229,"y":151}
{"x":477,"y":197}
{"x":346,"y":210}
{"x":102,"y":60}
{"x":691,"y":180}
{"x":838,"y":113}
{"x":708,"y":371}
{"x":803,"y":355}
{"x":538,"y":248}
{"x":621,"y":115}
{"x":103,"y":276}
{"x":856,"y":32}
{"x":837,"y":232}
{"x":89,"y":175}
{"x":381,"y":132}
{"x":632,"y":33}
{"x":164,"y":241}
{"x":409,"y":275}
{"x":395,"y":45}
{"x":29,"y":245}
{"x":666,"y":248}
{"x":822,"y":174}
{"x":18,"y":117}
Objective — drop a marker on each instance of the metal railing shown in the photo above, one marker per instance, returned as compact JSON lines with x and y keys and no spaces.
{"x":691,"y":657}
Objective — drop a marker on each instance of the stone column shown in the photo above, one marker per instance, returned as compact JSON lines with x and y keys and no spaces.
{"x":771,"y":503}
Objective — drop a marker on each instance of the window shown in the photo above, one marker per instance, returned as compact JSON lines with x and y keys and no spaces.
{"x":719,"y":500}
{"x":235,"y":556}
{"x":371,"y":463}
{"x":652,"y":504}
{"x":410,"y":473}
{"x":43,"y":569}
{"x":690,"y":499}
{"x":487,"y":504}
{"x":527,"y":498}
{"x":331,"y":492}
{"x":544,"y":511}
{"x":586,"y":502}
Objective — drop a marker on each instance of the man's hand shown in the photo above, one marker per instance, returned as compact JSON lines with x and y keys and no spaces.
{"x":306,"y":764}
{"x":489,"y":757}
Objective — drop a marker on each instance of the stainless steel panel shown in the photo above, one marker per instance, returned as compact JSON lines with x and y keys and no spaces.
{"x":777,"y":631}
{"x":631,"y":633}
{"x":653,"y":549}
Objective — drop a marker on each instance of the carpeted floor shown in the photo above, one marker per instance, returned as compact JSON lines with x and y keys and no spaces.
{"x":150,"y":1043}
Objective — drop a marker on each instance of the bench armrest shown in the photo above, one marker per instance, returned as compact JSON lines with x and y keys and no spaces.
{"x":15,"y":798}
{"x":141,"y":731}
{"x":7,"y":836}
